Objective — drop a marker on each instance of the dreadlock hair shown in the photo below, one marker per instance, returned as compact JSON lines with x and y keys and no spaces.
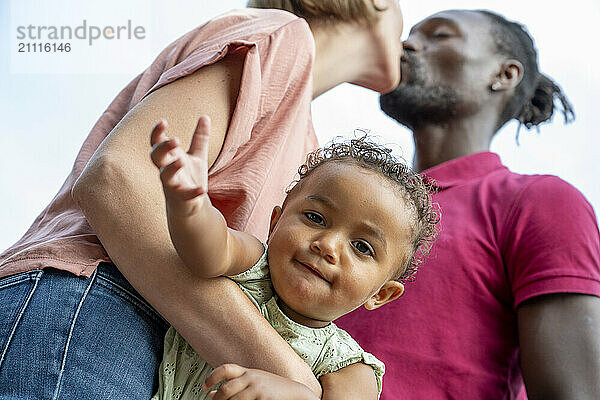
{"x":414,"y":189}
{"x":534,"y":99}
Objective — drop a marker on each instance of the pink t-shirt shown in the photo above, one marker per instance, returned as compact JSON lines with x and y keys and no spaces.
{"x":269,"y":134}
{"x":505,"y":238}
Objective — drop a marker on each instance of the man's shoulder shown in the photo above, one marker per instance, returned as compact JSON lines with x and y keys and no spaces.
{"x":534,"y":200}
{"x":541,"y":189}
{"x":522,"y":188}
{"x":545,"y":201}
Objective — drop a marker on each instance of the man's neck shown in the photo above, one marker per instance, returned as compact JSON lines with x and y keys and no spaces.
{"x":435,"y":144}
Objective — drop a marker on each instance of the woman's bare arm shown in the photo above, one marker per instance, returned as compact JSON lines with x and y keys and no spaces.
{"x":121,"y":196}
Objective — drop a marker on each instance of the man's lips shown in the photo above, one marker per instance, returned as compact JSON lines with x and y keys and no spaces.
{"x":312,"y":269}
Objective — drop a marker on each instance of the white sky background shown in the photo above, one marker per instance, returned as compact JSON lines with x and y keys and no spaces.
{"x":46,"y":116}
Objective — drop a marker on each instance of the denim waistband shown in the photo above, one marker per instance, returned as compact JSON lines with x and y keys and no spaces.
{"x":110,"y":271}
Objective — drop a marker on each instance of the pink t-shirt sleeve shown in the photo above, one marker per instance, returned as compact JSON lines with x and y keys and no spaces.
{"x":551,"y":242}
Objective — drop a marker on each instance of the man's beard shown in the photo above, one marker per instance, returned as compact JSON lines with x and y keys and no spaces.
{"x":415,"y":103}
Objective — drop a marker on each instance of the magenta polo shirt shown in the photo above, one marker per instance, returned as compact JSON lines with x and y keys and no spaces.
{"x":504,"y":238}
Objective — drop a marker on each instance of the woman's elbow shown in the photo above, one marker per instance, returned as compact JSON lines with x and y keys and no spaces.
{"x":98,"y":178}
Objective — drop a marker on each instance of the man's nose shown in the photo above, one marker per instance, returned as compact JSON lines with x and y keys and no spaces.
{"x":412,"y":44}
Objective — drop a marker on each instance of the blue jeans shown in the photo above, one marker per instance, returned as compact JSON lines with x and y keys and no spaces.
{"x":69,"y":337}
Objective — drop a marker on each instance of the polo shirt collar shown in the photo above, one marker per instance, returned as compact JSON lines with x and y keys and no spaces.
{"x":464,"y":169}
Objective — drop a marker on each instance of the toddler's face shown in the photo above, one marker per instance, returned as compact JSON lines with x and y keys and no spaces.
{"x":341,"y":235}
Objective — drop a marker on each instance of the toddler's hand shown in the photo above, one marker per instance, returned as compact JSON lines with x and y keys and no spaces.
{"x":254,"y":384}
{"x":184,"y":175}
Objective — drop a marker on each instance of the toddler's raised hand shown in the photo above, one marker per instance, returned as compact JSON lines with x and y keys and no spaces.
{"x":254,"y":384}
{"x":184,"y":175}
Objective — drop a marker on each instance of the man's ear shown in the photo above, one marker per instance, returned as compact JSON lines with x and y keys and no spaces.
{"x":275,"y":214}
{"x":509,"y":77}
{"x":390,"y":290}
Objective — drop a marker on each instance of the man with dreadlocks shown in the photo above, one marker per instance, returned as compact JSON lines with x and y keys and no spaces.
{"x":510,"y":291}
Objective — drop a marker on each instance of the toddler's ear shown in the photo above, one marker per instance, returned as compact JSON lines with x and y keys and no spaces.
{"x":275,"y":214}
{"x":390,"y":290}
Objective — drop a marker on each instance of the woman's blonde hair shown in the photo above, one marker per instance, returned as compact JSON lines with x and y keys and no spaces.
{"x":363,"y":11}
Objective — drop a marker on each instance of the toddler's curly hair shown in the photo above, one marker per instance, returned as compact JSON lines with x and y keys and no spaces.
{"x":415,"y":189}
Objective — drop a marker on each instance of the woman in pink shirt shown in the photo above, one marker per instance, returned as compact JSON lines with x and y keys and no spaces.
{"x":71,"y":325}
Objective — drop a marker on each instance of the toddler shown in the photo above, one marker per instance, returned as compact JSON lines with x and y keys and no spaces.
{"x":351,"y":230}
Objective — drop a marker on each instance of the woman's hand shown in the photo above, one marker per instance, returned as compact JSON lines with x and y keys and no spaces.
{"x":253,"y":384}
{"x":184,"y":175}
